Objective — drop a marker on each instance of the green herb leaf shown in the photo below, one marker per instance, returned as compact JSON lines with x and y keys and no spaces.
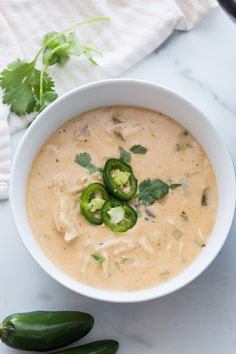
{"x":59,"y":47}
{"x":98,"y":259}
{"x":125,"y":156}
{"x":78,"y":49}
{"x":84,"y":160}
{"x":138,"y":149}
{"x":152,"y":190}
{"x":18,"y":74}
{"x":56,"y":49}
{"x":48,"y":97}
{"x":174,"y":185}
{"x":20,"y":82}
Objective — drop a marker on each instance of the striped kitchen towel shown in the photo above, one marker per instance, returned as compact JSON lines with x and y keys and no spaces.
{"x":136,"y":28}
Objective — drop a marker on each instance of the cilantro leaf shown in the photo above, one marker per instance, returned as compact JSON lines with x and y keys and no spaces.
{"x":15,"y":73}
{"x":48,"y":97}
{"x":18,"y":74}
{"x":98,"y":259}
{"x":138,"y":149}
{"x":84,"y":160}
{"x":125,"y":156}
{"x":20,"y":83}
{"x":47,"y":84}
{"x":78,"y":49}
{"x":48,"y":93}
{"x":56,"y":49}
{"x":21,"y":102}
{"x":152,"y":190}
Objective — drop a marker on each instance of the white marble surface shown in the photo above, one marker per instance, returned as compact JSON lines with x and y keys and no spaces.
{"x":201,"y":318}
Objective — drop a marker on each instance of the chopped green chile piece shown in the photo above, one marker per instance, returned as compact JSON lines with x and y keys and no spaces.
{"x":118,"y":215}
{"x":91,"y":202}
{"x":98,"y":259}
{"x":119,"y":179}
{"x":205,"y":197}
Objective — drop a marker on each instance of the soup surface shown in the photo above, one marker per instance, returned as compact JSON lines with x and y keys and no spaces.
{"x":168,"y":235}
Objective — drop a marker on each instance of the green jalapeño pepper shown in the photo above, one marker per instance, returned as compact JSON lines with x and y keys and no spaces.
{"x":118,"y":215}
{"x":106,"y":346}
{"x":91,"y":202}
{"x":44,"y":330}
{"x":119,"y":179}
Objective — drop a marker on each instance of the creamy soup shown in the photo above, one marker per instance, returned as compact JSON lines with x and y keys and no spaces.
{"x":168,"y":235}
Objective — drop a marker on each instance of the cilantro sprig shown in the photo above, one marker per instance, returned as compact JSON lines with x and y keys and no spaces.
{"x":84,"y":160}
{"x":152,"y":190}
{"x":27,"y":89}
{"x":138,"y":149}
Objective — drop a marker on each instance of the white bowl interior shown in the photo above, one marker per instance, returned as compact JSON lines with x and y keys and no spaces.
{"x":136,"y":93}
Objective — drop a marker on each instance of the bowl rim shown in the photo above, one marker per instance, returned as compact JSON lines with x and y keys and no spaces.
{"x":108,"y":295}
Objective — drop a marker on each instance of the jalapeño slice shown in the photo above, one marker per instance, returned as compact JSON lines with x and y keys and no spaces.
{"x":118,"y":215}
{"x":119,"y":179}
{"x":91,"y":202}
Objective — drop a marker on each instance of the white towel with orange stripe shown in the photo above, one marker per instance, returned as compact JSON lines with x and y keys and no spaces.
{"x":137,"y":27}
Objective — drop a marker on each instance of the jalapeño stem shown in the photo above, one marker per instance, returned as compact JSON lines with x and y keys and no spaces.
{"x":5,"y":332}
{"x":2,"y":329}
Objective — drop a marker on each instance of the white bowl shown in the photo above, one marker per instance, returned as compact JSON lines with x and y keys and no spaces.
{"x":136,"y":93}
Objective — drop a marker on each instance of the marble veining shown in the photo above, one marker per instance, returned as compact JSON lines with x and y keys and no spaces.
{"x":188,"y":75}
